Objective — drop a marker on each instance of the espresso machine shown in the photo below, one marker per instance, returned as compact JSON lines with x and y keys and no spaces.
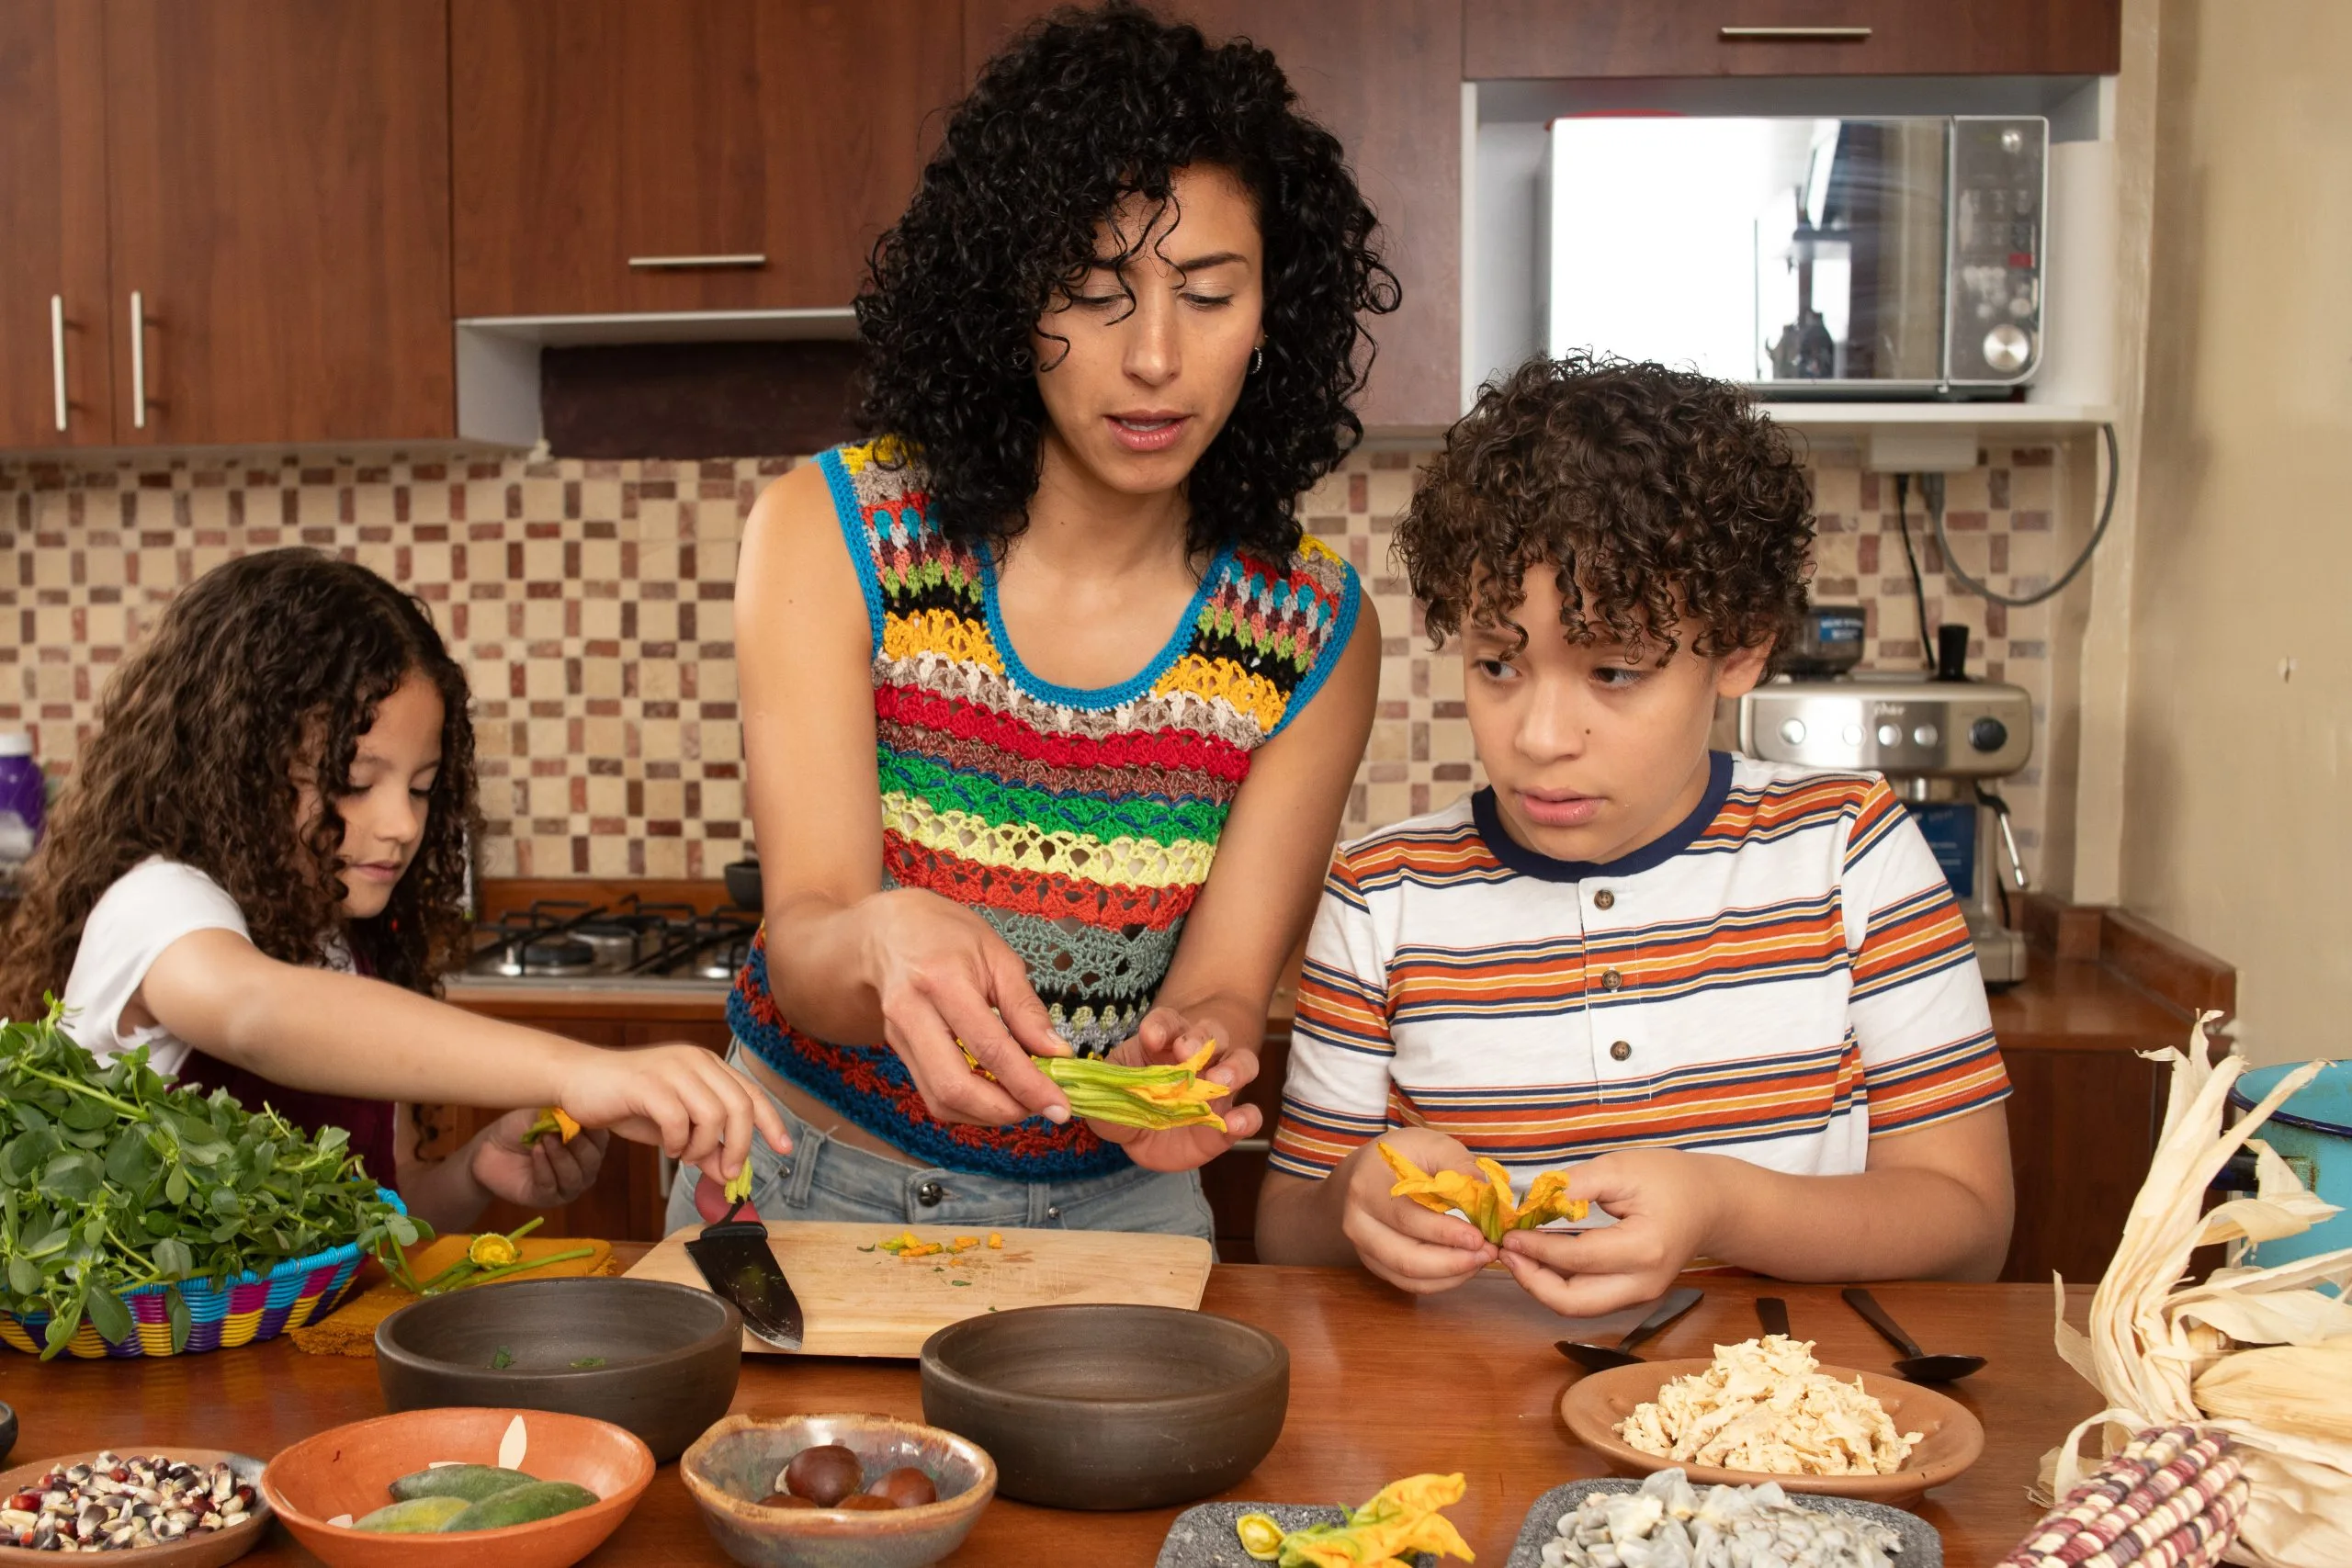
{"x":1941,"y":740}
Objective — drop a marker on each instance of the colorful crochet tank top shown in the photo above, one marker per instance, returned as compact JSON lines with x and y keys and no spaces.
{"x":1078,"y":823}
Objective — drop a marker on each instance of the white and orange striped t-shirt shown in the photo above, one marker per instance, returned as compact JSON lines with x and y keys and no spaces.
{"x":1783,"y":977}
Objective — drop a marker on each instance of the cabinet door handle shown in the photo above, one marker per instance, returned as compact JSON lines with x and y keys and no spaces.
{"x":1793,"y":35}
{"x":57,"y":354}
{"x":138,"y":362}
{"x":746,"y":260}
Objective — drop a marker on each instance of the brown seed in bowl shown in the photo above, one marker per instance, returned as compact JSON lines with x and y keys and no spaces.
{"x":824,"y":1475}
{"x":909,"y":1486}
{"x":866,"y":1502}
{"x":784,"y":1500}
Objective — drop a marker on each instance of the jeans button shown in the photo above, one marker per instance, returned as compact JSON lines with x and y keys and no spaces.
{"x":784,"y":1168}
{"x":930,"y":1193}
{"x":1054,"y":1211}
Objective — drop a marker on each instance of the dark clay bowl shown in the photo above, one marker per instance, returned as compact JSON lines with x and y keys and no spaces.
{"x":737,"y":1463}
{"x":1101,"y":1406}
{"x":7,"y":1432}
{"x":669,"y":1355}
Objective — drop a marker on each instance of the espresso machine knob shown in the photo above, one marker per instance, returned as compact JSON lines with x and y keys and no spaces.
{"x":1988,"y":735}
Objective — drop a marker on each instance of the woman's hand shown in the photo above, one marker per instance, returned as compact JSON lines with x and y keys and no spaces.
{"x":1665,"y":1202}
{"x":942,"y":975}
{"x":545,"y":1174}
{"x":1166,"y":1037}
{"x":682,"y":1099}
{"x":1413,"y":1249}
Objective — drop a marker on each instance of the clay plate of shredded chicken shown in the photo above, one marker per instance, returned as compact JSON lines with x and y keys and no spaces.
{"x":1764,"y":1410}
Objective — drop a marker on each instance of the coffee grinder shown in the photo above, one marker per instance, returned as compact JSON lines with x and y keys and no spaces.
{"x":1940,"y":741}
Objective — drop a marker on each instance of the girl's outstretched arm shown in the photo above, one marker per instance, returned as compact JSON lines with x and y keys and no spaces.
{"x":336,"y":1034}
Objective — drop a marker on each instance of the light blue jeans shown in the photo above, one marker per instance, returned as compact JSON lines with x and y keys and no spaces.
{"x":824,"y":1179}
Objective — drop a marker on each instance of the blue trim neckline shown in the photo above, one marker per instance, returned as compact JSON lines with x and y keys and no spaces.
{"x":1098,"y":699}
{"x":1515,"y":856}
{"x":856,"y":536}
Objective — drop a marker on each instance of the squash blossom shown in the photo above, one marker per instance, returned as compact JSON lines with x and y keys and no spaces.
{"x":1401,"y":1520}
{"x":554,"y":1119}
{"x":1151,"y":1096}
{"x":739,"y":1185}
{"x":490,"y":1250}
{"x":1489,"y":1205}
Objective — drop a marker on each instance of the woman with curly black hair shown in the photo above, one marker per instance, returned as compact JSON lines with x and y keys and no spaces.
{"x":255,"y":877}
{"x":1049,"y":708}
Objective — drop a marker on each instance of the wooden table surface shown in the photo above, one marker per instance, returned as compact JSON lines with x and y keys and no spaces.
{"x":1381,"y":1387}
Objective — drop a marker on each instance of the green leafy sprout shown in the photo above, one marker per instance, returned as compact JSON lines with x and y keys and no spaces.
{"x":112,"y":1179}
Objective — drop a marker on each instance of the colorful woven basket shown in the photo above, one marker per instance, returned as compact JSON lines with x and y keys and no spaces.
{"x":223,"y":1313}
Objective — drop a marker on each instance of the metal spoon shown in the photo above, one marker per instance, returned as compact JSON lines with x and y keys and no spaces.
{"x":1600,"y":1358}
{"x":1916,"y":1365}
{"x":1773,"y":1314}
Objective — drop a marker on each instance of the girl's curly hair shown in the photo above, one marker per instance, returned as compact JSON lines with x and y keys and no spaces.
{"x":1660,"y":498}
{"x":1085,"y":110}
{"x":269,"y":665}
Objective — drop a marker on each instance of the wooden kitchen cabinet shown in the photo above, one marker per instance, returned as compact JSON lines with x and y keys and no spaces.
{"x":1386,"y":79}
{"x":55,"y":316}
{"x":1505,"y":39}
{"x":277,"y":187}
{"x":592,"y":136}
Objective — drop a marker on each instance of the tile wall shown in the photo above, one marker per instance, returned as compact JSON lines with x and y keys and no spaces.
{"x":591,"y":601}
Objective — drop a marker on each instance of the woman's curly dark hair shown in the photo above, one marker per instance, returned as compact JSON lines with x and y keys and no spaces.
{"x":1086,"y":109}
{"x":271,"y":664}
{"x":1659,"y":497}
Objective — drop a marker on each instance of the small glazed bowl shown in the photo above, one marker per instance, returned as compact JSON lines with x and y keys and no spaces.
{"x":1109,"y":1406}
{"x":349,"y":1470}
{"x":668,"y":1356}
{"x":1949,"y":1436}
{"x":207,"y":1550}
{"x":736,"y":1463}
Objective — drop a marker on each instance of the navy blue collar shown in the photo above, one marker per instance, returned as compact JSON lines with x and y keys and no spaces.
{"x":1657,"y":852}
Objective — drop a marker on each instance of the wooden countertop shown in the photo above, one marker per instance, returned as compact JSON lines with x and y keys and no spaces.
{"x":1381,"y":1387}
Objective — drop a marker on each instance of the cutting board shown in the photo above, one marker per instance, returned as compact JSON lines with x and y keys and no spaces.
{"x":855,"y":1302}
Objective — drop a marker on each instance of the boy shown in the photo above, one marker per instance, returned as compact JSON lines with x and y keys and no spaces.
{"x":1736,"y":997}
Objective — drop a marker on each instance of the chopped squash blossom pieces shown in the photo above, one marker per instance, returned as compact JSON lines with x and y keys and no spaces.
{"x":1400,"y":1520}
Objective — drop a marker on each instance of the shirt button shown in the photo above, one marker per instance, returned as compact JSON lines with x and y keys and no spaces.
{"x":1610,"y":979}
{"x":1604,"y":899}
{"x":1620,"y":1051}
{"x":930,"y":1193}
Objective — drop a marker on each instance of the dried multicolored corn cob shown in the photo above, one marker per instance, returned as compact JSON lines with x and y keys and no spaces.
{"x":2170,"y":1498}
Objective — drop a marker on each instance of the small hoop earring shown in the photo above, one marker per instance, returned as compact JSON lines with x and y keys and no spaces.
{"x":1256,"y":359}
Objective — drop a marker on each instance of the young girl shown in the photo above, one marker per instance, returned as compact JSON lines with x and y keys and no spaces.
{"x":256,"y":875}
{"x":1050,"y":709}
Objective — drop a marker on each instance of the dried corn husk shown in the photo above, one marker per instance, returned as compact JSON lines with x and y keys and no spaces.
{"x":2303,"y":1389}
{"x":2151,"y":1337}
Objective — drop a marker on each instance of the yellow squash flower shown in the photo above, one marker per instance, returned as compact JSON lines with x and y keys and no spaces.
{"x":490,"y":1250}
{"x":1487,"y":1204}
{"x":1400,"y":1520}
{"x":1151,"y":1096}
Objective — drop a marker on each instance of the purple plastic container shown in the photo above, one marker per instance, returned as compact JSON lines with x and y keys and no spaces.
{"x":21,"y":787}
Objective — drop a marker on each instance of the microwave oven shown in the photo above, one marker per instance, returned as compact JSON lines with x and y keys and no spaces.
{"x":1848,"y":258}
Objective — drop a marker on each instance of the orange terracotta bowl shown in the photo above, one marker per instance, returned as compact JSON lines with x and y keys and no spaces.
{"x":349,"y":1470}
{"x":1950,"y":1437}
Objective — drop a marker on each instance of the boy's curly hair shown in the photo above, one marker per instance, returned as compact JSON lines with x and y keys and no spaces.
{"x":1659,"y":496}
{"x":1084,"y":110}
{"x":267,"y":664}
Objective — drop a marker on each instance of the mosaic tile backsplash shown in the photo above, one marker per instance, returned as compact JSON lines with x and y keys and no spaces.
{"x":591,"y":602}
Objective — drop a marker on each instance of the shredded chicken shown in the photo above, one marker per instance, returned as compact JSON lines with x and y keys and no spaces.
{"x":1765,"y":1406}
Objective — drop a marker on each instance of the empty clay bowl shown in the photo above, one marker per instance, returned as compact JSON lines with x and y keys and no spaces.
{"x":7,"y":1432}
{"x":665,"y":1358}
{"x":736,"y":1463}
{"x":1103,"y":1406}
{"x":348,"y":1470}
{"x":209,"y":1550}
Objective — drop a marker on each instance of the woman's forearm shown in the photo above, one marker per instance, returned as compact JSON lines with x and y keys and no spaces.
{"x":818,"y":972}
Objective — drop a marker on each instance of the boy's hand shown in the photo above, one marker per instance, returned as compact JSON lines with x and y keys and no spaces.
{"x":1412,"y":1247}
{"x":1164,"y":1037}
{"x":682,"y":1099}
{"x":1664,"y":1205}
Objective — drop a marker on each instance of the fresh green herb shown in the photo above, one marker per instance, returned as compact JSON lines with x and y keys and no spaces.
{"x":501,"y":1359}
{"x":586,"y":1361}
{"x":111,"y":1179}
{"x":960,"y":1284}
{"x":865,"y":1250}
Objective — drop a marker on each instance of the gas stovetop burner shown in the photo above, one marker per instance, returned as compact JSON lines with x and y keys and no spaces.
{"x":567,"y":940}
